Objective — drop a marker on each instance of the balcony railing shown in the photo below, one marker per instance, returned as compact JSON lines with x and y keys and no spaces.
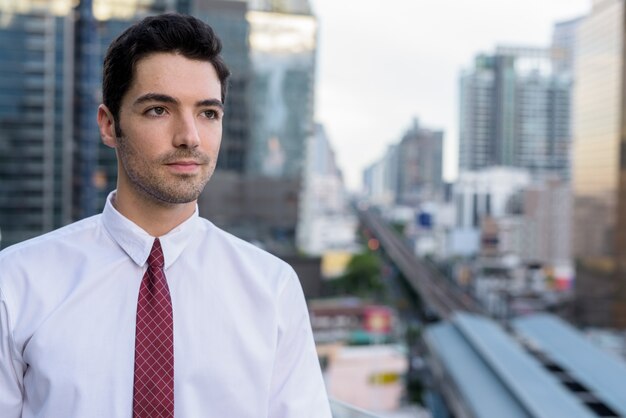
{"x":343,"y":410}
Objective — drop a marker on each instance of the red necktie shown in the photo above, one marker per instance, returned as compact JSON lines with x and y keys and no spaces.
{"x":153,"y":395}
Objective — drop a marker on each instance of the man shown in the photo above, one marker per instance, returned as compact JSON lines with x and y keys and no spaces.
{"x":148,"y":310}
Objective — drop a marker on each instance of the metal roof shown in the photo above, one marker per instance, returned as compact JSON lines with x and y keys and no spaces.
{"x":602,"y":373}
{"x":479,"y":387}
{"x":495,"y":376}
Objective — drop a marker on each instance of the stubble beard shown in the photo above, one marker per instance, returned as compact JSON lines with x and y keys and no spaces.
{"x":150,"y":178}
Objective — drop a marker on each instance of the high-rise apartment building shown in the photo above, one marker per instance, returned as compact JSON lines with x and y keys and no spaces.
{"x":514,"y":111}
{"x":599,"y":166}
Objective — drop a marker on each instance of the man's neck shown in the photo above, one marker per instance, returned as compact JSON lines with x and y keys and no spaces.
{"x":156,"y":218}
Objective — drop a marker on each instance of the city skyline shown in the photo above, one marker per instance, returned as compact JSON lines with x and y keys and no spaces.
{"x":421,"y":49}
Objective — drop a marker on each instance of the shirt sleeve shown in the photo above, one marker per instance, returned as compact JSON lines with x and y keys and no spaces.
{"x":10,"y":378}
{"x":297,"y":389}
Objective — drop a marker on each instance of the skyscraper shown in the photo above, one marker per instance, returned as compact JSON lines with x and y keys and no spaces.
{"x":283,"y":47}
{"x":35,"y":99}
{"x":599,"y":166}
{"x":228,"y":18}
{"x":514,"y":111}
{"x":262,"y":205}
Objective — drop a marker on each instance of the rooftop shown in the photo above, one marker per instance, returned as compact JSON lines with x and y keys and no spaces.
{"x":484,"y":370}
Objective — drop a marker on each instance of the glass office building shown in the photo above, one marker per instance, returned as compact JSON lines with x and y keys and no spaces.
{"x":228,"y":18}
{"x":35,"y":158}
{"x":599,"y":166}
{"x":283,"y":48}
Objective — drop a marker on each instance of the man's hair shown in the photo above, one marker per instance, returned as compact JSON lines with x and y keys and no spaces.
{"x":171,"y":32}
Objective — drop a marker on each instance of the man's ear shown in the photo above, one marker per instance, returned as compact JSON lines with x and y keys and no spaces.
{"x":106,"y":123}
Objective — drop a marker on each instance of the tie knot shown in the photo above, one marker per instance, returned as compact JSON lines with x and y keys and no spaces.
{"x":156,"y":259}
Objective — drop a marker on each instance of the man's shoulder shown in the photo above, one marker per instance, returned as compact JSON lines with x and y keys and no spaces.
{"x":38,"y":245}
{"x":240,"y":250}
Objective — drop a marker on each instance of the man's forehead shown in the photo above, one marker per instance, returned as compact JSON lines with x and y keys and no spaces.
{"x":172,"y":64}
{"x":173,"y":74}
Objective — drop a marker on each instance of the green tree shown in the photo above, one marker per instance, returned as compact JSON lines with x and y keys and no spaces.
{"x":361,"y":278}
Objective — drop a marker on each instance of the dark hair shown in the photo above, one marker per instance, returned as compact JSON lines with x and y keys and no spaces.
{"x":171,"y":32}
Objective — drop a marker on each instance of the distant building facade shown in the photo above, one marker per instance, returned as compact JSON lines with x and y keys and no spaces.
{"x":276,"y":95}
{"x":324,"y":220}
{"x":599,"y":167}
{"x":228,"y":19}
{"x":410,"y":172}
{"x":260,"y":210}
{"x":380,"y":179}
{"x":492,"y":192}
{"x":420,"y":165}
{"x":506,"y":217}
{"x":515,"y":111}
{"x":281,"y":6}
{"x":283,"y":47}
{"x":564,"y":43}
{"x":547,"y":217}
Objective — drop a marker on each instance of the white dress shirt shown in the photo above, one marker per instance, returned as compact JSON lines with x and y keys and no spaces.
{"x":243,"y":346}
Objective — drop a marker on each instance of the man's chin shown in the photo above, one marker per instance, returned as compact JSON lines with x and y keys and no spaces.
{"x":173,"y":196}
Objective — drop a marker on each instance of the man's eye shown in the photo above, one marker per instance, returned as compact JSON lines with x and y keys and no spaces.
{"x":156,"y":111}
{"x":211,"y":114}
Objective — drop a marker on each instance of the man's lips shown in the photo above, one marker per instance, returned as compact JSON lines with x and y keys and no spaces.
{"x":184,"y":162}
{"x":184,"y":165}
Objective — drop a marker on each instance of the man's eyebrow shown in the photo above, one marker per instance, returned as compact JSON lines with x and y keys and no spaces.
{"x":155,"y":97}
{"x":164,"y":98}
{"x":210,"y":102}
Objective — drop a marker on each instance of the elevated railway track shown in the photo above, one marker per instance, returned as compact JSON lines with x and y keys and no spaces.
{"x":438,"y":294}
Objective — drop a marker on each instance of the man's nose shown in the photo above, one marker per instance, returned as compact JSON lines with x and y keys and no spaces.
{"x":186,"y":134}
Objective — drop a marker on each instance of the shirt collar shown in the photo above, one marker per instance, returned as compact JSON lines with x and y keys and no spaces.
{"x":137,"y":243}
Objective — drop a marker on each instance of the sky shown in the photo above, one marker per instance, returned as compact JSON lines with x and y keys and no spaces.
{"x":382,"y":63}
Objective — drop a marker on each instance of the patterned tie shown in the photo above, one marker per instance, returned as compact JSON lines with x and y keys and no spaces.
{"x":153,"y":395}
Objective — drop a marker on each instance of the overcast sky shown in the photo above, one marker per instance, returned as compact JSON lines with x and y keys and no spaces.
{"x":383,"y":62}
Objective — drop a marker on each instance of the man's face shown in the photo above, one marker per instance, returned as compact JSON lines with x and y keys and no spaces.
{"x":171,"y":125}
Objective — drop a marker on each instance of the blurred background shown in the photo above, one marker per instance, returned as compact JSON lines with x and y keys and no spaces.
{"x":448,"y":179}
